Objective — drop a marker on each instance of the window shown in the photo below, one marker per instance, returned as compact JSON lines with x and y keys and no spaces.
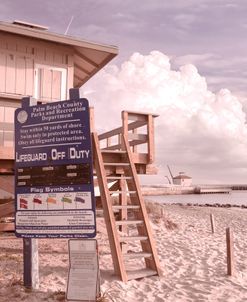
{"x":7,"y":111}
{"x":50,"y":83}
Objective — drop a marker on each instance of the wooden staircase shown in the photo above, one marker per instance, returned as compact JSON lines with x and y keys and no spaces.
{"x":125,"y":212}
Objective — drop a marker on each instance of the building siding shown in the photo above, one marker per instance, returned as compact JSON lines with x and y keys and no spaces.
{"x":17,"y":64}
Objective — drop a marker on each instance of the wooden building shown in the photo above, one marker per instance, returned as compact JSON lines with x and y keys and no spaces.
{"x":35,"y":62}
{"x":182,"y":180}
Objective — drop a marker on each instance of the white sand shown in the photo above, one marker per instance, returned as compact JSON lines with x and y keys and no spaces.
{"x":193,"y":262}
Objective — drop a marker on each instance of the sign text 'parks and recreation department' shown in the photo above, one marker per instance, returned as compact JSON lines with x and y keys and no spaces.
{"x":54,"y":174}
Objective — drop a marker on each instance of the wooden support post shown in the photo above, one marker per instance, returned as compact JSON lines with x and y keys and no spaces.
{"x":229,"y":251}
{"x":74,"y":93}
{"x":108,"y":142}
{"x":125,"y":129}
{"x":212,"y":223}
{"x":117,"y":256}
{"x":31,"y":263}
{"x":135,"y":146}
{"x":150,"y":131}
{"x":91,"y":116}
{"x":30,"y":246}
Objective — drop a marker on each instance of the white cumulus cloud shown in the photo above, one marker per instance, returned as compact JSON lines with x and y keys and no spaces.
{"x":196,"y":129}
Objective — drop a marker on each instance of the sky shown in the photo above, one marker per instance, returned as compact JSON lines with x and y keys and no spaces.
{"x":183,"y":59}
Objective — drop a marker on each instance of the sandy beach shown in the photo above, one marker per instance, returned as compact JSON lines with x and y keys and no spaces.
{"x":193,"y":261}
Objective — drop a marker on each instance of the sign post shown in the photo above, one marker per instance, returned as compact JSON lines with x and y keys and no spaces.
{"x":30,"y":246}
{"x":54,"y":173}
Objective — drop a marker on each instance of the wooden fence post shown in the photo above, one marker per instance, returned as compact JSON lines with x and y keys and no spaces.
{"x":229,"y":251}
{"x":212,"y":223}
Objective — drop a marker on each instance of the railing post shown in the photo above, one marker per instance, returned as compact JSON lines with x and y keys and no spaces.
{"x":125,"y":129}
{"x":150,"y":132}
{"x":134,"y":148}
{"x":125,"y":122}
{"x":91,"y":119}
{"x":108,"y":142}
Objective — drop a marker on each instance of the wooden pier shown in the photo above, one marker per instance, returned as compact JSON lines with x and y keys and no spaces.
{"x":212,"y":190}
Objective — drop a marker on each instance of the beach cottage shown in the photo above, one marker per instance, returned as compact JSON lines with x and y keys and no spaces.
{"x":182,"y":180}
{"x":37,"y":63}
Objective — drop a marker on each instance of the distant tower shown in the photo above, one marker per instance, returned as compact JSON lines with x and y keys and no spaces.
{"x":182,"y":179}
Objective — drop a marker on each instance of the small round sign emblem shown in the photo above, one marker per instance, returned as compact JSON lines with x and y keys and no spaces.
{"x":22,"y":116}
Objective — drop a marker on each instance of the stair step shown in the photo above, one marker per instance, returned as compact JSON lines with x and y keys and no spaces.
{"x":113,"y":151}
{"x":128,"y":207}
{"x":118,"y":177}
{"x":132,"y":238}
{"x":121,"y":192}
{"x":117,"y":164}
{"x":134,"y":255}
{"x":126,"y":222}
{"x":142,"y":273}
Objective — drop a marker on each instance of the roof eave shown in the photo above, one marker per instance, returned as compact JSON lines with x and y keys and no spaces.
{"x":108,"y":51}
{"x":54,"y":37}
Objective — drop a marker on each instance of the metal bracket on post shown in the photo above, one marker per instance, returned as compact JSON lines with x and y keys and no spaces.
{"x":30,"y":245}
{"x":74,"y":94}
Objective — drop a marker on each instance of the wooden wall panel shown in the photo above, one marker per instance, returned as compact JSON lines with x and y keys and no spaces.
{"x":2,"y":72}
{"x":21,"y":47}
{"x":49,"y":56}
{"x":18,"y":57}
{"x":20,"y":76}
{"x":29,"y":77}
{"x":70,"y":74}
{"x":3,"y":43}
{"x":11,"y":44}
{"x":7,"y":153}
{"x":39,"y":54}
{"x":10,"y":74}
{"x":58,"y":58}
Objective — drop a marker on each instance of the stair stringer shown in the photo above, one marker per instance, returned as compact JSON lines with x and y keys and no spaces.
{"x":150,"y":245}
{"x":115,"y":246}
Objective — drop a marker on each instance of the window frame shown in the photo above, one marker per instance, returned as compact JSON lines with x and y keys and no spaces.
{"x":64,"y":76}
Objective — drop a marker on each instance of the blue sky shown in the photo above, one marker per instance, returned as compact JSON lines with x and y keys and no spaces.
{"x":209,"y":123}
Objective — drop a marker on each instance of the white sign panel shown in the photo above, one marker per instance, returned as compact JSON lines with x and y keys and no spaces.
{"x":84,"y":270}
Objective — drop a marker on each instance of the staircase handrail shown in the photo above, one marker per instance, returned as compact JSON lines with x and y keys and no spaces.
{"x":131,"y":122}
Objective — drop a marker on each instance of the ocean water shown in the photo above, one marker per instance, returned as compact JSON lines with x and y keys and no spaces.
{"x":234,"y":198}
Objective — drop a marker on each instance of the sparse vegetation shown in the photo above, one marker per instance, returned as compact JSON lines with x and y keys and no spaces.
{"x":106,"y":296}
{"x":158,"y":215}
{"x":15,"y":280}
{"x":58,"y":296}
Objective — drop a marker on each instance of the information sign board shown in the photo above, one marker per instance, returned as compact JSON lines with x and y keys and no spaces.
{"x":54,"y":171}
{"x":83,"y":277}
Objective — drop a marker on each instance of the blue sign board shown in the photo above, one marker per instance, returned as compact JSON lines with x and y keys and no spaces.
{"x":54,"y":171}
